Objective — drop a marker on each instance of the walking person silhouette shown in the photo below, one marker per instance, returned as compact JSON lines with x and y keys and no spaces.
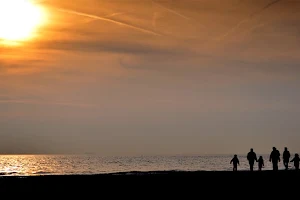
{"x":235,"y":161}
{"x":275,"y":158}
{"x":261,"y":163}
{"x":296,"y":161}
{"x":251,"y":157}
{"x":286,"y":158}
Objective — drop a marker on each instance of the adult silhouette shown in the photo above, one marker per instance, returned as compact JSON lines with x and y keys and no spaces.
{"x":286,"y":158}
{"x":275,"y":158}
{"x":251,"y":157}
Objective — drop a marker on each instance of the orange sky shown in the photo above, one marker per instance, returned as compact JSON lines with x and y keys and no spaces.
{"x":128,"y":77}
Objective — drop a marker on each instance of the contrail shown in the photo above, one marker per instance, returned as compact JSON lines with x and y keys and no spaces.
{"x":110,"y":15}
{"x":154,"y":19}
{"x":248,"y":19}
{"x":269,"y":5}
{"x":47,"y":103}
{"x":109,"y":20}
{"x":252,"y":28}
{"x":116,"y":14}
{"x":170,"y":10}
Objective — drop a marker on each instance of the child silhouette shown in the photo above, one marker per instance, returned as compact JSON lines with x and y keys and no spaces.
{"x":296,"y":161}
{"x":261,"y":163}
{"x":235,"y":161}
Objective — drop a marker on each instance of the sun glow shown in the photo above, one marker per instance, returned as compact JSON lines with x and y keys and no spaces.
{"x":19,"y":20}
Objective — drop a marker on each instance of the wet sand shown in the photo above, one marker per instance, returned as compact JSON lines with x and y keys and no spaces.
{"x":142,"y":184}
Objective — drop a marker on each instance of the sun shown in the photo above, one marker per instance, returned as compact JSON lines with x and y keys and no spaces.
{"x":19,"y":20}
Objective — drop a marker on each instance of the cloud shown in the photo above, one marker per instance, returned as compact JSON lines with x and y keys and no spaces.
{"x":250,"y":17}
{"x":21,"y":67}
{"x":90,"y":84}
{"x":171,"y":10}
{"x":53,"y":103}
{"x":110,"y":20}
{"x":103,"y":46}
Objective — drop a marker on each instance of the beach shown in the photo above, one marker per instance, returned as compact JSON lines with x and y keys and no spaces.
{"x":170,"y":183}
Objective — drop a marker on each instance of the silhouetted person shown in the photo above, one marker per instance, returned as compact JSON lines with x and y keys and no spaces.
{"x":235,"y":161}
{"x":261,"y":163}
{"x":286,"y":158}
{"x":275,"y":158}
{"x":251,"y":157}
{"x":296,"y":161}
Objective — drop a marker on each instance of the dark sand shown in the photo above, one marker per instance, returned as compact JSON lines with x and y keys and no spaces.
{"x":156,"y":184}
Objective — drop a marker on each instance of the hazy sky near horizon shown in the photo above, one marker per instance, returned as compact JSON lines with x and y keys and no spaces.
{"x":142,"y":77}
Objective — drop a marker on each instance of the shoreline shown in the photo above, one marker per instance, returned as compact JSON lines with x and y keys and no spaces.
{"x":154,"y":173}
{"x":153,"y":182}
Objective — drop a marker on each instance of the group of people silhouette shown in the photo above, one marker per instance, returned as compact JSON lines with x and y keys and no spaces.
{"x":274,"y":158}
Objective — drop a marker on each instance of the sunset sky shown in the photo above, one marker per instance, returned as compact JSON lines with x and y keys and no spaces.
{"x":142,"y":77}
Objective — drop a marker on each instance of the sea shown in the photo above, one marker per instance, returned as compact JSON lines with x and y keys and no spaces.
{"x":31,"y":165}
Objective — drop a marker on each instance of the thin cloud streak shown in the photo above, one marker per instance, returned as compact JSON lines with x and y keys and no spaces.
{"x":252,"y":15}
{"x":171,"y":11}
{"x":109,"y":15}
{"x":245,"y":33}
{"x":110,"y":20}
{"x":47,"y":103}
{"x":116,"y":14}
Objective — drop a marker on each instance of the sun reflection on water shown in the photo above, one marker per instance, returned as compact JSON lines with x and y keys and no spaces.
{"x":24,"y":165}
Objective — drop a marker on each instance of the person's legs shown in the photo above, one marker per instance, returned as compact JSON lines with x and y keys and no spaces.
{"x":251,"y":166}
{"x":275,"y":166}
{"x":286,"y":164}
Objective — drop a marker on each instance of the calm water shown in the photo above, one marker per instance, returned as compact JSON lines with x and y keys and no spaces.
{"x":14,"y":165}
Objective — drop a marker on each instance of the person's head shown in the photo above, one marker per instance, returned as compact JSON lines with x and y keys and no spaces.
{"x":235,"y":155}
{"x":274,"y":148}
{"x":285,"y":148}
{"x":260,"y":157}
{"x":296,"y":155}
{"x":251,"y":149}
